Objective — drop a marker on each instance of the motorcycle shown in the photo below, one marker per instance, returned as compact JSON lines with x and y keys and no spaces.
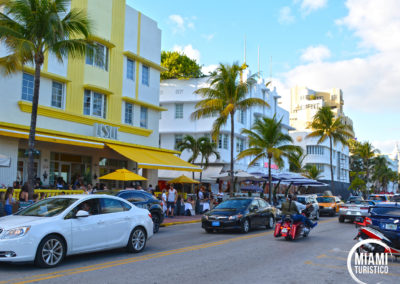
{"x":389,"y":238}
{"x":290,"y":229}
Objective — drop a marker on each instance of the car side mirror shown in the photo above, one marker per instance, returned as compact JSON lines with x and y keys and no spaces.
{"x":82,"y":214}
{"x":254,"y":208}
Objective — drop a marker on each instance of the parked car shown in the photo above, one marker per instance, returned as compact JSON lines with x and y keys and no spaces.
{"x":386,"y":217}
{"x":53,"y":228}
{"x":379,"y":197}
{"x":307,"y":199}
{"x":147,"y":201}
{"x":356,"y":208}
{"x":242,"y":213}
{"x":328,"y":205}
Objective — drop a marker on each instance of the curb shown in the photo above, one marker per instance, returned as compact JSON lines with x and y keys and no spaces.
{"x":179,"y":223}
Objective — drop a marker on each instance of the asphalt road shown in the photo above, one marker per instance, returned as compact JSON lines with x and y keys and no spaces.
{"x":186,"y":254}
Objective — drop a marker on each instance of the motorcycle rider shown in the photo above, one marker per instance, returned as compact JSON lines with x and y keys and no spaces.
{"x":293,"y":208}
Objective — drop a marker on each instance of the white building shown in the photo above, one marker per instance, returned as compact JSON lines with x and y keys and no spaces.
{"x":94,"y":116}
{"x":319,"y":155}
{"x":178,"y":97}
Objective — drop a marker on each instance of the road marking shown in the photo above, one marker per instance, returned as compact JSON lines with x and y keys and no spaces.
{"x":73,"y":271}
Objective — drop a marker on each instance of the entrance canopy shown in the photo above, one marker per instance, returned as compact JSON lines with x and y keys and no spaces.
{"x":153,"y":159}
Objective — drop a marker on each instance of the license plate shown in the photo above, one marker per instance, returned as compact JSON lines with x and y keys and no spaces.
{"x":284,"y":230}
{"x":391,"y":226}
{"x":215,"y":224}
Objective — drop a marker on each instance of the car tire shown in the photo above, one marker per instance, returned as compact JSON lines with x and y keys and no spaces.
{"x":341,"y":219}
{"x":245,"y":227}
{"x":270,"y":222}
{"x":156,"y":222}
{"x":137,"y":240}
{"x":209,"y":231}
{"x":51,"y":252}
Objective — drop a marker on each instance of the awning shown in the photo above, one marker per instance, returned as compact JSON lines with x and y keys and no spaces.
{"x":9,"y":132}
{"x":153,"y":159}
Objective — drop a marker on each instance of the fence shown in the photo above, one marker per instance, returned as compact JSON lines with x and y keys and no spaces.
{"x":45,"y":192}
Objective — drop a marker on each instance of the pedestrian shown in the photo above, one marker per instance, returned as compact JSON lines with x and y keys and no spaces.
{"x":164,"y":200}
{"x":35,"y":197}
{"x":189,"y":207}
{"x":16,"y":185}
{"x":2,"y":204}
{"x":9,"y":201}
{"x":150,"y":189}
{"x":24,"y":193}
{"x":171,"y":200}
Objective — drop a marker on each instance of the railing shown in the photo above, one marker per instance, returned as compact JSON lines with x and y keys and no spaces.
{"x":46,"y":192}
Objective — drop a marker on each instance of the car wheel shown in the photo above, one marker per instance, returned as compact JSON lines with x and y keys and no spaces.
{"x":341,"y":219}
{"x":208,"y":230}
{"x":51,"y":252}
{"x":156,"y":221}
{"x":245,"y":226}
{"x":137,"y":240}
{"x":271,"y":222}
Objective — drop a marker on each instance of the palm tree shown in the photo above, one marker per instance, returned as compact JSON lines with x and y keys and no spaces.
{"x":31,"y":28}
{"x":312,"y":172}
{"x":326,"y":126}
{"x":192,"y":145}
{"x":365,"y":152}
{"x":266,"y":140}
{"x":296,"y":159}
{"x":225,"y":96}
{"x":208,"y":149}
{"x":382,"y":173}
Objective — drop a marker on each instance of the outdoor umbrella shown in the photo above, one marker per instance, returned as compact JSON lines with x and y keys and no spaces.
{"x":123,"y":175}
{"x":183,"y":179}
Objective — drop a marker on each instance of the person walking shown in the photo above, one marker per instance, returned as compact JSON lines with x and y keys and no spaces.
{"x":9,"y":201}
{"x":171,"y":200}
{"x":164,"y":200}
{"x":24,"y":193}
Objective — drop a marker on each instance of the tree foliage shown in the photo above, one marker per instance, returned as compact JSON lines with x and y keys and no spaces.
{"x":179,"y":66}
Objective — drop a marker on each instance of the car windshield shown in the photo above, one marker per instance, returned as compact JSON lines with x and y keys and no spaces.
{"x":325,"y":200}
{"x":47,"y":208}
{"x":388,"y":211}
{"x":378,"y":197}
{"x":234,"y":204}
{"x":301,"y":200}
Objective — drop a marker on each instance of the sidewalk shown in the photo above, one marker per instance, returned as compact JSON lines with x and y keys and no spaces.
{"x":177,"y":220}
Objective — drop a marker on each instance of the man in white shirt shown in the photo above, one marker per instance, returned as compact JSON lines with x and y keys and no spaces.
{"x":171,"y":200}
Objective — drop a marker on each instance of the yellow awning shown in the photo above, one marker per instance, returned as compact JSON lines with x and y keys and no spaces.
{"x":16,"y":133}
{"x":152,"y":159}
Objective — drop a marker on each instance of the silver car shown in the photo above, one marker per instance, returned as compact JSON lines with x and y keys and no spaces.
{"x":353,"y":209}
{"x":306,"y":199}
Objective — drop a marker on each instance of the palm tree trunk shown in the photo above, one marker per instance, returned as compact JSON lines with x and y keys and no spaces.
{"x":330,"y":150}
{"x":201,"y":165}
{"x":232,"y":187}
{"x":269,"y":180}
{"x":32,"y":130}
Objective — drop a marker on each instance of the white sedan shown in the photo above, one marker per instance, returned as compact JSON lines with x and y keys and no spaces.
{"x":50,"y":229}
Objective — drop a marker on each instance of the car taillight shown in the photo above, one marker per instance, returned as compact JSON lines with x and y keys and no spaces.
{"x":344,"y":207}
{"x":364,"y":208}
{"x":150,"y":216}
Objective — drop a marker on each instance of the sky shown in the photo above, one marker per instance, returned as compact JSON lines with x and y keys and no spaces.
{"x":349,"y":44}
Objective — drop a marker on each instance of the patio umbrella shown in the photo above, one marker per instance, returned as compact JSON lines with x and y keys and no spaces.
{"x":123,"y":175}
{"x":183,"y":179}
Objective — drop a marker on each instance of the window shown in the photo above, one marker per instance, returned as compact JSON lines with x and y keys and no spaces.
{"x":178,"y":139}
{"x":109,"y":205}
{"x":129,"y":113}
{"x":27,"y":87}
{"x":98,"y":56}
{"x":133,"y":197}
{"x":239,"y":145}
{"x":320,"y":167}
{"x":242,"y":116}
{"x":220,"y":141}
{"x":225,"y":141}
{"x":94,"y":104}
{"x":179,"y":91}
{"x":57,"y":95}
{"x":130,"y":69}
{"x":145,"y":75}
{"x":178,"y":111}
{"x":143,"y":117}
{"x":315,"y":150}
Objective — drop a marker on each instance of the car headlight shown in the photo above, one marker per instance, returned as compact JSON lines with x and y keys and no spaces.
{"x":235,"y":217}
{"x":205,"y":217}
{"x":15,"y":232}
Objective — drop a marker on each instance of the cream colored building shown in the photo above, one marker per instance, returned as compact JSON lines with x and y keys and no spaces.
{"x":305,"y":103}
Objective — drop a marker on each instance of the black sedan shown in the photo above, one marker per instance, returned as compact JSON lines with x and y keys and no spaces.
{"x":145,"y":200}
{"x":239,"y":213}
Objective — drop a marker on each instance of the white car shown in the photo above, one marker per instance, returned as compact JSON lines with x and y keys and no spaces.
{"x":50,"y":229}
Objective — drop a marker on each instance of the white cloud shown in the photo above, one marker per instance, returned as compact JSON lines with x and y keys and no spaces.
{"x":376,"y":23}
{"x":315,"y":53}
{"x":308,"y":6}
{"x":385,"y":146}
{"x":285,"y":15}
{"x":180,"y":24}
{"x":209,"y":68}
{"x":208,"y":37}
{"x":189,"y":51}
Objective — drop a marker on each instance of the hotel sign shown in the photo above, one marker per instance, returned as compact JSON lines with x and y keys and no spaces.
{"x":105,"y":131}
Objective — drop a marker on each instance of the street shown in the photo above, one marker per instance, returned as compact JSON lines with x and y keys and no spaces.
{"x":187,"y":254}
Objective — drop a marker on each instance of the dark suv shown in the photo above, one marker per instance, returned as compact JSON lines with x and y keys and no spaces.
{"x":145,"y":200}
